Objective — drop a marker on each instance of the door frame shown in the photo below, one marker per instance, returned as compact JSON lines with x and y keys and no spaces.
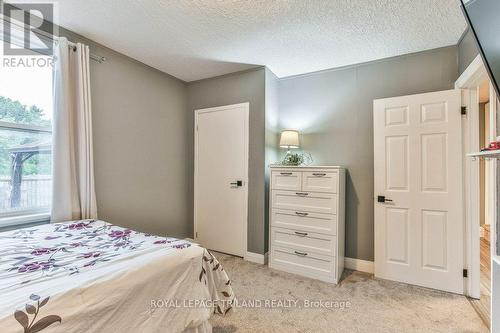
{"x":469,"y":82}
{"x":197,"y":112}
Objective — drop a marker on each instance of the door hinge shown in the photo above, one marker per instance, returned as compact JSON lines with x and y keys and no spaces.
{"x":465,"y":273}
{"x":196,"y":234}
{"x":463,"y":111}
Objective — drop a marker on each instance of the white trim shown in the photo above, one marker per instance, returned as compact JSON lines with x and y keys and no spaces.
{"x":472,"y":194}
{"x":25,"y":127}
{"x":23,"y":219}
{"x":469,"y":81}
{"x":247,"y":134}
{"x":25,"y":212}
{"x":359,"y":265}
{"x":492,"y":196}
{"x":473,"y":76}
{"x":256,"y":258}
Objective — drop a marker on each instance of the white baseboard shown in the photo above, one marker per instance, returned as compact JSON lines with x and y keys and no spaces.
{"x":256,"y":258}
{"x":359,"y":265}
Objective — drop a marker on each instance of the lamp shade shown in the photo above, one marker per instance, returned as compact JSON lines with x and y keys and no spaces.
{"x":289,"y":139}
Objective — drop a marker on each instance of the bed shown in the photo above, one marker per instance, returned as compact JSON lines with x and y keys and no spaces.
{"x":93,"y":276}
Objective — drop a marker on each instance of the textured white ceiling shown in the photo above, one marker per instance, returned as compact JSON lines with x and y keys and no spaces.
{"x":196,"y":39}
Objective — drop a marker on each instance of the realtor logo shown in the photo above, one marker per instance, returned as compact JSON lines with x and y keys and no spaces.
{"x":36,"y":18}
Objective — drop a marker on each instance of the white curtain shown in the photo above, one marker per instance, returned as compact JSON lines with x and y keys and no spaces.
{"x":73,"y":189}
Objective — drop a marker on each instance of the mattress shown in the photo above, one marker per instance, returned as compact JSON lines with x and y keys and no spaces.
{"x":93,"y":276}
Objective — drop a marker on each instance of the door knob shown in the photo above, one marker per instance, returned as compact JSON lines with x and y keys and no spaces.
{"x":238,"y":183}
{"x":382,"y":198}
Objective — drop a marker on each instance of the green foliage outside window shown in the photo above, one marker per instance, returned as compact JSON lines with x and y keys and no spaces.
{"x":15,"y":112}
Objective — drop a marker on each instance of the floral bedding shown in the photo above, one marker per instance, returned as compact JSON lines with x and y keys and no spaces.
{"x":92,"y":276}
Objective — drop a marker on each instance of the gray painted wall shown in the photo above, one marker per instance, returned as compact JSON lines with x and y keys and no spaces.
{"x":144,"y":147}
{"x":141,"y":144}
{"x":467,"y":51}
{"x":248,"y":86}
{"x":333,"y":110}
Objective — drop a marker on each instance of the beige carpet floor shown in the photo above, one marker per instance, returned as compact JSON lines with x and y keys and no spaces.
{"x":373,"y":305}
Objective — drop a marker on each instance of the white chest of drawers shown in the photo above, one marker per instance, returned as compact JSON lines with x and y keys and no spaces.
{"x":307,"y":223}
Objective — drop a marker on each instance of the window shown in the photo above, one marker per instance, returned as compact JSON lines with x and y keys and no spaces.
{"x":25,"y":135}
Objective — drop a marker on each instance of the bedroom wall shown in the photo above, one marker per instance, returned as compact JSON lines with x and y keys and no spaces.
{"x":143,"y":133}
{"x":467,"y":51}
{"x":333,"y":111}
{"x":247,"y":86}
{"x":141,"y":145}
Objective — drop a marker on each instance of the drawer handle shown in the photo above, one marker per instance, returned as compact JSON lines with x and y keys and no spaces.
{"x":319,"y":174}
{"x":302,"y":254}
{"x":285,"y":173}
{"x":301,"y":214}
{"x":301,"y":194}
{"x":303,"y":234}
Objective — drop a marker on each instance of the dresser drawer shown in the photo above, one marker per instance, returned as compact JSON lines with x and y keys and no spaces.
{"x":286,"y":180}
{"x":313,"y":222}
{"x":320,"y":181}
{"x":325,"y":203}
{"x":306,"y":242}
{"x":312,"y":265}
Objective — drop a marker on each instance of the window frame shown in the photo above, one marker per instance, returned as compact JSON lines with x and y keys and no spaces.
{"x":29,"y":215}
{"x":10,"y":221}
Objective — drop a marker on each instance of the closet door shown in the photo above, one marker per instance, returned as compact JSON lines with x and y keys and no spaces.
{"x":221,"y":177}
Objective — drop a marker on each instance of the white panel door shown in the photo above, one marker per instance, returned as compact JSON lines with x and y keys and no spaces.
{"x":418,"y":169}
{"x":221,"y":174}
